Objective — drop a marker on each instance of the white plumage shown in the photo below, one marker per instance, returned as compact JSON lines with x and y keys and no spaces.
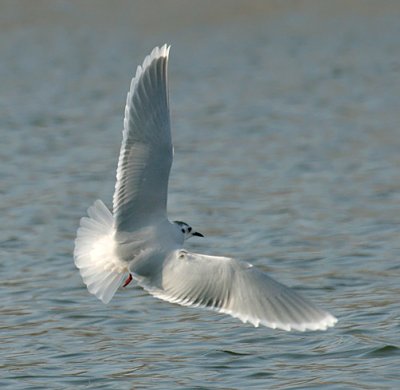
{"x":100,"y":268}
{"x":139,"y":241}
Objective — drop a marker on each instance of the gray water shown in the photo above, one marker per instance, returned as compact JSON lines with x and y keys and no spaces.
{"x":287,"y":154}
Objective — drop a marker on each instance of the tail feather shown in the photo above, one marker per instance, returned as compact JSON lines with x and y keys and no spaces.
{"x":101,"y":270}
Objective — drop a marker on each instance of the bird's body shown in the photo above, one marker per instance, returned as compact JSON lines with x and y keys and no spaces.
{"x":138,"y":242}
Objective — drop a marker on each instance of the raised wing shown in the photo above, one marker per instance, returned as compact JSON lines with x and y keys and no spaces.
{"x":233,"y":287}
{"x":146,"y":151}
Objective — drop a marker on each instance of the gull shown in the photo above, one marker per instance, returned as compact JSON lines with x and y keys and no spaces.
{"x":138,"y":242}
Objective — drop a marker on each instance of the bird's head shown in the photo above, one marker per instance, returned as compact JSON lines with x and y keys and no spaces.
{"x":187,"y":230}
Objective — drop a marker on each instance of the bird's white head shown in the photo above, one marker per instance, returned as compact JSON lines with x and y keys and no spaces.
{"x":187,"y":230}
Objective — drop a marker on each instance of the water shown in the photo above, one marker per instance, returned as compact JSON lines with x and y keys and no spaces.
{"x":286,"y":129}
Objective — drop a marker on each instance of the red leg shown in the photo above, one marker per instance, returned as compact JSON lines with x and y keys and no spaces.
{"x":127,"y":281}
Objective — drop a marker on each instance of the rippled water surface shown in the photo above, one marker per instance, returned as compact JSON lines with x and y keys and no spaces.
{"x":287,"y":154}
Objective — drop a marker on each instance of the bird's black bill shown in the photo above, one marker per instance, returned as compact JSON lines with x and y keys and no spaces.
{"x":197,"y":234}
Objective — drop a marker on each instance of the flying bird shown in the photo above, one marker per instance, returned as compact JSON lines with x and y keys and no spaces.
{"x":138,"y":242}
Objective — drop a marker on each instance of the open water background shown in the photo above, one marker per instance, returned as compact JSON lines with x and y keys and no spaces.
{"x":287,"y":154}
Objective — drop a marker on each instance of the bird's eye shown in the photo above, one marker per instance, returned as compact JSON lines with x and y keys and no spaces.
{"x":190,"y":229}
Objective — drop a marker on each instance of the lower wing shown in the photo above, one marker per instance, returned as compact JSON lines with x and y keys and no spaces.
{"x":235,"y":288}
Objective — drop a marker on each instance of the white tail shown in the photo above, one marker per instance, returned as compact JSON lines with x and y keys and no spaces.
{"x":101,"y":270}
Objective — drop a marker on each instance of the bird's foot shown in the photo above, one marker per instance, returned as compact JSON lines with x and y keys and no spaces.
{"x":127,"y":281}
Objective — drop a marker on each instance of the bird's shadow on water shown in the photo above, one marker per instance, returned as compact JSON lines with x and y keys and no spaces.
{"x":217,"y":344}
{"x":180,"y":327}
{"x":141,"y":338}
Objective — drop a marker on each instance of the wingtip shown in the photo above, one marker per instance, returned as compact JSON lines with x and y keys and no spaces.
{"x":163,"y":51}
{"x":323,"y":324}
{"x":157,"y":52}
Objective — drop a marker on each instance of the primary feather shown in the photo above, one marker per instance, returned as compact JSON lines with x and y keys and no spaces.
{"x":146,"y":152}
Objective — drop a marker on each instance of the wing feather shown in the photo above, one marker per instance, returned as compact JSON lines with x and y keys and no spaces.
{"x":236,"y":288}
{"x":146,"y":151}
